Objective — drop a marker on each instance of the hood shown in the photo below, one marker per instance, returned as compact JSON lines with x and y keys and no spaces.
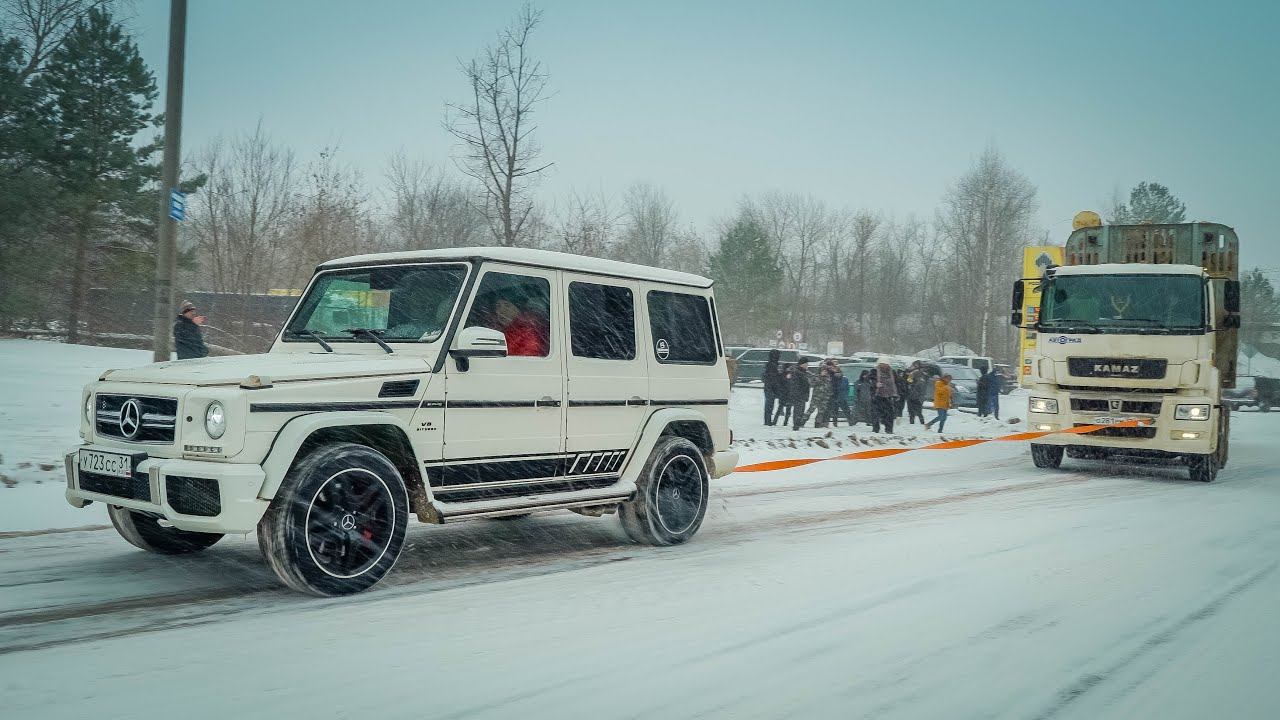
{"x":278,"y":367}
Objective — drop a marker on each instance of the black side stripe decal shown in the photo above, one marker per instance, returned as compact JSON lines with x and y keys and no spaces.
{"x":333,"y":406}
{"x":689,"y":402}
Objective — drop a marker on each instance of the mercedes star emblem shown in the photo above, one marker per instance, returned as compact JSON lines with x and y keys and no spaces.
{"x":348,"y":522}
{"x":130,"y":418}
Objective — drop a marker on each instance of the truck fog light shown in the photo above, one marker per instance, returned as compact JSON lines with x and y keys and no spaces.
{"x":1047,"y":406}
{"x":1045,"y":427}
{"x":1191,"y":412}
{"x":1186,"y":435}
{"x":215,"y":420}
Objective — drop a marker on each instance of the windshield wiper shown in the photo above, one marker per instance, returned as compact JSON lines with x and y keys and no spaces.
{"x":372,"y":335}
{"x":311,"y":335}
{"x":1072,"y":325}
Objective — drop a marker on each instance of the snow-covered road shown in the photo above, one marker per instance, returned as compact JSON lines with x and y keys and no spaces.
{"x":952,"y":584}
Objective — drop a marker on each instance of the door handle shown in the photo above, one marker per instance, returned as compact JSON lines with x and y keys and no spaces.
{"x":547,"y":401}
{"x":637,"y":400}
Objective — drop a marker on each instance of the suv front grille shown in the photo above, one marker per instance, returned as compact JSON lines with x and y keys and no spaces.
{"x":155,"y":419}
{"x":193,"y":495}
{"x":137,"y":487}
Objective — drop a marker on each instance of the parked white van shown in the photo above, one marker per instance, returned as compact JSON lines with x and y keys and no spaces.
{"x":981,"y":364}
{"x":452,"y":384}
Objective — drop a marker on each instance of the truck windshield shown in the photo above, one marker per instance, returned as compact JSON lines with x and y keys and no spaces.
{"x":404,"y":303}
{"x":1123,"y":304}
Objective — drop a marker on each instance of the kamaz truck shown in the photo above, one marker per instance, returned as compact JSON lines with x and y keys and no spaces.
{"x":1137,"y":329}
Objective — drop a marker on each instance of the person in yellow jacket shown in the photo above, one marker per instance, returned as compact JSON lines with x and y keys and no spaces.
{"x":941,"y":401}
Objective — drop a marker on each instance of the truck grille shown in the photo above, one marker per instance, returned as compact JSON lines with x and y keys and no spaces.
{"x":1140,"y":433}
{"x":1138,"y":369}
{"x":148,"y":420}
{"x":1130,"y":407}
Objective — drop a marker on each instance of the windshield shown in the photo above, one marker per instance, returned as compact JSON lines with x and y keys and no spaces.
{"x":1123,"y":303}
{"x":400,"y":304}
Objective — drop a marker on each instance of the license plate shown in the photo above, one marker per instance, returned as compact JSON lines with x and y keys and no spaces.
{"x":1108,"y":420}
{"x":105,"y":463}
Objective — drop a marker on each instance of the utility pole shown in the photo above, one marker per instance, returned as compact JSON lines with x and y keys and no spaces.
{"x":166,"y":245}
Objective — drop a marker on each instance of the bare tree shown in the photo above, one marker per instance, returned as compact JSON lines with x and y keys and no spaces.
{"x":799,"y":225}
{"x":986,"y":217}
{"x":41,"y":25}
{"x":651,"y":225}
{"x":495,"y":127}
{"x":333,"y":218}
{"x":428,"y":209}
{"x":587,"y":225}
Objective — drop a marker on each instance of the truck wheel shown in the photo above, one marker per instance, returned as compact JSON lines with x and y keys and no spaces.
{"x":1046,"y":456}
{"x":1224,"y":439}
{"x":671,"y":495}
{"x":337,"y":524}
{"x":146,"y":532}
{"x":1204,"y":468}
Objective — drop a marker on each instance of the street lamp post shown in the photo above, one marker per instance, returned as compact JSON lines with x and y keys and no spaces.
{"x":166,"y":246}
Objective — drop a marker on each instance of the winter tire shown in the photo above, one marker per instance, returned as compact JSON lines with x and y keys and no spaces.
{"x":1203,"y":468}
{"x":1046,"y":456}
{"x":337,"y":524}
{"x":671,"y":495}
{"x":1224,"y":439}
{"x":146,"y":532}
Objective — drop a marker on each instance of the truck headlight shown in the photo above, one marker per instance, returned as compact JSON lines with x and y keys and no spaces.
{"x":1044,"y":405}
{"x":1191,"y":412}
{"x":215,"y":420}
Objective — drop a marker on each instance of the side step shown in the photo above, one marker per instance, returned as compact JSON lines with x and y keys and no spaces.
{"x":454,"y":512}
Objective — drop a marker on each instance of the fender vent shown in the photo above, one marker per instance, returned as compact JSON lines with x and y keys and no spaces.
{"x":398,"y":388}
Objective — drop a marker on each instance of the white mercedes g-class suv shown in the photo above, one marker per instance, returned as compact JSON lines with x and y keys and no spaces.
{"x":452,"y":384}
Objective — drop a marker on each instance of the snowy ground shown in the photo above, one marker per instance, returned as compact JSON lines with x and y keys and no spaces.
{"x":932,"y":584}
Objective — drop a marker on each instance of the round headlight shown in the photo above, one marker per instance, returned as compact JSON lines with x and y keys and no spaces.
{"x":215,"y":420}
{"x":88,"y":408}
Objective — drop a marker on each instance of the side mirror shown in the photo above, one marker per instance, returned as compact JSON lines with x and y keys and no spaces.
{"x":1015,"y":314}
{"x":1231,"y":321}
{"x":479,"y":342}
{"x":1231,"y":297}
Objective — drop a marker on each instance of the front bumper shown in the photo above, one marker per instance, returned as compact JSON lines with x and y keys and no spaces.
{"x":1163,"y":433}
{"x":210,"y":497}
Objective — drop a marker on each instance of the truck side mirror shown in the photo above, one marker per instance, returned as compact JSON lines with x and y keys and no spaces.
{"x":1231,"y":321}
{"x":1015,"y":314}
{"x":1231,"y":297}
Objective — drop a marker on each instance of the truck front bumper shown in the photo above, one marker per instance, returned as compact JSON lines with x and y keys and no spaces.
{"x":194,"y":495}
{"x":1163,"y":433}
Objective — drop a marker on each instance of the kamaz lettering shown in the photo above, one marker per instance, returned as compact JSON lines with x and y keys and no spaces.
{"x":1116,"y":369}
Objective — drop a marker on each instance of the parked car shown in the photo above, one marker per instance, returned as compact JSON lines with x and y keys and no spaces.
{"x":1262,"y":393}
{"x":482,"y":382}
{"x":751,"y":362}
{"x":981,"y":364}
{"x":735,"y":351}
{"x":965,"y":380}
{"x":1008,"y":378}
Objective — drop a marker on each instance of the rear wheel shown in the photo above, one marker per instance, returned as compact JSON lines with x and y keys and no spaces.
{"x":1046,"y":456}
{"x":1224,"y":438}
{"x":671,"y":495}
{"x":338,"y":522}
{"x":146,"y":532}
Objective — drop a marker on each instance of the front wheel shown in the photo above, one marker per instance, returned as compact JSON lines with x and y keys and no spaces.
{"x":671,"y":495}
{"x":1046,"y":456}
{"x":338,"y":522}
{"x":1203,"y":468}
{"x":146,"y":532}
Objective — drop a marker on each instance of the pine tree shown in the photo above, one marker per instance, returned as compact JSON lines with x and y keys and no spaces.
{"x":748,"y":279}
{"x":1259,"y":307}
{"x":98,"y":98}
{"x":1150,"y":203}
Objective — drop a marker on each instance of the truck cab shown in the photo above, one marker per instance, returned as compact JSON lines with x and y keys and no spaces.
{"x":1130,"y":330}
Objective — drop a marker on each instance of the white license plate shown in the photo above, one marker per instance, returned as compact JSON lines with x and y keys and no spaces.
{"x":105,"y":463}
{"x":1107,"y":420}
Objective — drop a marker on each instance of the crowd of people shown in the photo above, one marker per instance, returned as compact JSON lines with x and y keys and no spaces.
{"x":878,"y":397}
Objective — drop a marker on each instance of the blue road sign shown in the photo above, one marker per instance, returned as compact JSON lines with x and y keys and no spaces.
{"x":177,"y":205}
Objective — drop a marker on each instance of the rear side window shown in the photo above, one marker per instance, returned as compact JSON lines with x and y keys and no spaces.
{"x":683,"y":333}
{"x":602,"y":321}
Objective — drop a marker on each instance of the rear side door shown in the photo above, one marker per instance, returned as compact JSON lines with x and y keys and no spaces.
{"x":608,"y":384}
{"x":685,"y":366}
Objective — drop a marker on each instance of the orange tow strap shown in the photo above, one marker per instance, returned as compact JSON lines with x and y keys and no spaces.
{"x":947,"y":445}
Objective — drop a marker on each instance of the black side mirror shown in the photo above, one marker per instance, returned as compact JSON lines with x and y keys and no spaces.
{"x":1231,"y":297}
{"x":1015,"y":314}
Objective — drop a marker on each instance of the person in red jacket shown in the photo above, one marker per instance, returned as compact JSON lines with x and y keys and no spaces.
{"x":527,"y":332}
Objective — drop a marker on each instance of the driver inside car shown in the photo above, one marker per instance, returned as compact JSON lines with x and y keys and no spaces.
{"x":527,"y":331}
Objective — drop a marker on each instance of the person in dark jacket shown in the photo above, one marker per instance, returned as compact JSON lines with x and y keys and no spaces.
{"x":919,"y":389}
{"x":800,"y":385}
{"x":188,"y":340}
{"x":900,"y":404}
{"x":864,"y":401}
{"x":839,"y":396}
{"x":886,"y":395}
{"x":784,"y":395}
{"x":984,"y":392}
{"x":994,"y":383}
{"x":772,"y":379}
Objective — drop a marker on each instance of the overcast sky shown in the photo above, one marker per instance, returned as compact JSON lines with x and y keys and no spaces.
{"x":877,"y":105}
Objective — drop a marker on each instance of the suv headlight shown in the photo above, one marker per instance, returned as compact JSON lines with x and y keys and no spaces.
{"x":215,"y":420}
{"x":1191,"y":412}
{"x":88,"y":409}
{"x":1048,"y":406}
